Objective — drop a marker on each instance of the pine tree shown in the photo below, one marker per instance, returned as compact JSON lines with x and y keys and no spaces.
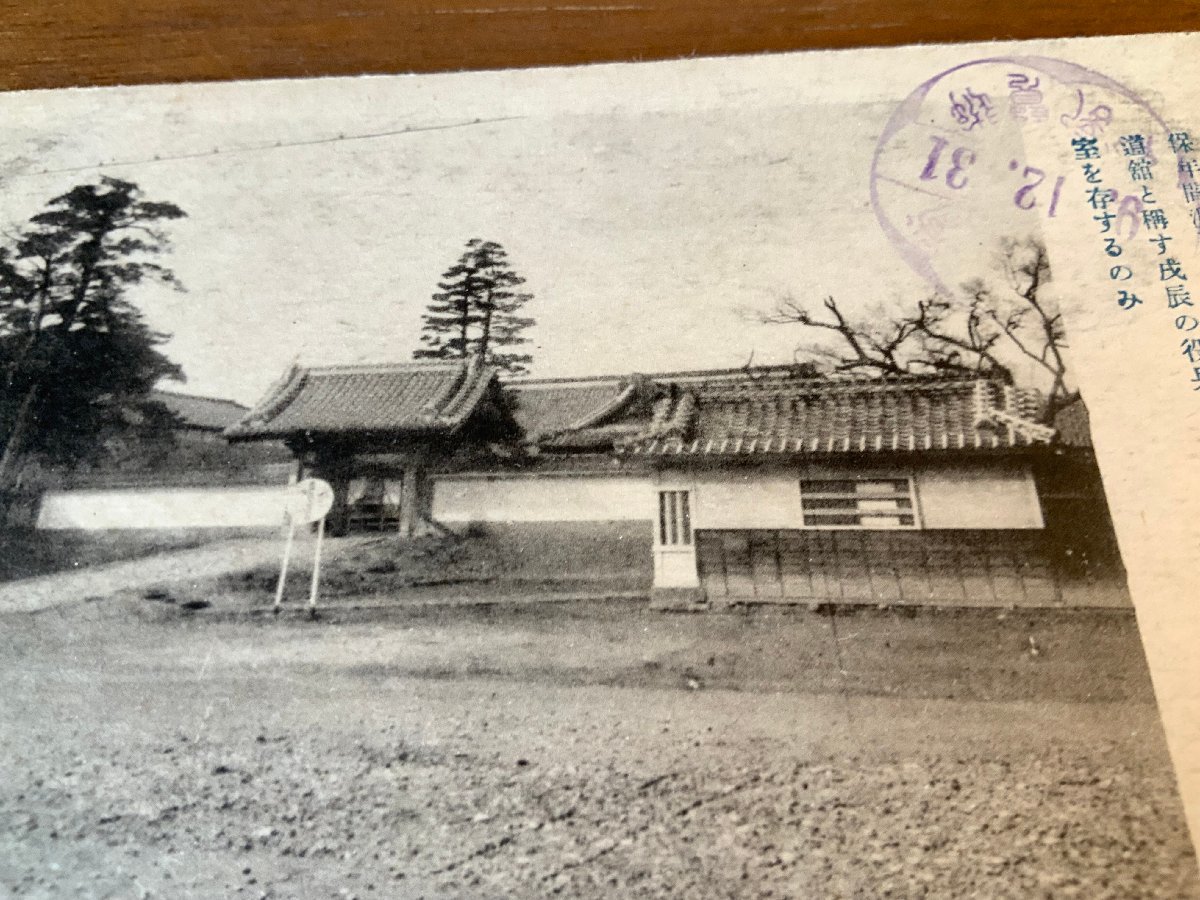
{"x":475,"y":313}
{"x":77,"y":359}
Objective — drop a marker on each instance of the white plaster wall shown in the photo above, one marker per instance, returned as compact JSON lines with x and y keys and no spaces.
{"x":675,"y":567}
{"x":206,"y":507}
{"x":542,"y":498}
{"x":969,"y":497}
{"x":747,"y":500}
{"x":947,"y":497}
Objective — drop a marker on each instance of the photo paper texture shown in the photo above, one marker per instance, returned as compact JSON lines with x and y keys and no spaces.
{"x":726,"y":477}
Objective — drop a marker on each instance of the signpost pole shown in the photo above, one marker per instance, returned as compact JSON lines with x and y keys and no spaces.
{"x":307,"y":501}
{"x":287,"y":554}
{"x":316,"y":575}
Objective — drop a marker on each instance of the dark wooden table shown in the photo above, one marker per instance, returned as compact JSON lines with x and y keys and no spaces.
{"x":55,"y":43}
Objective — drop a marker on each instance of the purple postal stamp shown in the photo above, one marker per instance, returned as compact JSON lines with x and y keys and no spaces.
{"x":991,"y":141}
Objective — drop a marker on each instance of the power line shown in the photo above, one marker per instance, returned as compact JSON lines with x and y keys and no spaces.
{"x":278,"y":145}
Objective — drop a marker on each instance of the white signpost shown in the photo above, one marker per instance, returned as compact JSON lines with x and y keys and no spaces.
{"x":307,"y":501}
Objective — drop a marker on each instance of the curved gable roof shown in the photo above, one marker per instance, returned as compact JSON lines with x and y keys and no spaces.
{"x":553,"y":407}
{"x":401,"y":398}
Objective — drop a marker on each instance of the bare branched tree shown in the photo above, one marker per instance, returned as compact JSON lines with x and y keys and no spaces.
{"x":1024,"y":319}
{"x":979,"y":333}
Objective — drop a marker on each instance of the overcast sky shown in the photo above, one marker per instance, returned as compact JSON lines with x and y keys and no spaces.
{"x":648,"y":207}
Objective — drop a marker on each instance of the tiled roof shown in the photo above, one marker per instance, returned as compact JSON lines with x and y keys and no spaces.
{"x":590,"y":414}
{"x":740,"y":416}
{"x":208,"y":413}
{"x":400,"y":398}
{"x":724,"y":413}
{"x":547,"y":408}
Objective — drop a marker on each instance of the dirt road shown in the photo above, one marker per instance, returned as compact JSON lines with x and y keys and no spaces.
{"x":581,"y":751}
{"x":180,"y":566}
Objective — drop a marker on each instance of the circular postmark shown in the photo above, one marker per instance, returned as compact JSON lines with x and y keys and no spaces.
{"x":989,"y":149}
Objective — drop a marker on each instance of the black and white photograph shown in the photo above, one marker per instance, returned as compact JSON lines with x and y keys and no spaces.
{"x":687,"y":479}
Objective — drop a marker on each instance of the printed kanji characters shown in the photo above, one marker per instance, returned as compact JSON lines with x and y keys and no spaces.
{"x":1100,"y":197}
{"x":1140,"y":170}
{"x":1154,"y":219}
{"x":1086,"y":147}
{"x":1177,"y":296}
{"x":1170,"y":269}
{"x":1132,"y":144}
{"x":1180,"y":141}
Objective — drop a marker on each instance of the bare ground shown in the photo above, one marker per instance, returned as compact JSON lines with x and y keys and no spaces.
{"x":582,"y":750}
{"x":29,"y":552}
{"x":235,"y":572}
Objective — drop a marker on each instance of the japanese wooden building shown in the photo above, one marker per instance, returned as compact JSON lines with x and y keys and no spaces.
{"x":742,"y":485}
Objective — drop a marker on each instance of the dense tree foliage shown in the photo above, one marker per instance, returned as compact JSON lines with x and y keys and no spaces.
{"x":77,"y":359}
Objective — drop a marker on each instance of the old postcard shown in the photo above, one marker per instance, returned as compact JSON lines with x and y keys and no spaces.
{"x":757,"y":477}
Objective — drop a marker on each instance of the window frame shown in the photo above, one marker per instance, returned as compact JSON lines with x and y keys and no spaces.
{"x":806,"y":494}
{"x":674,"y":526}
